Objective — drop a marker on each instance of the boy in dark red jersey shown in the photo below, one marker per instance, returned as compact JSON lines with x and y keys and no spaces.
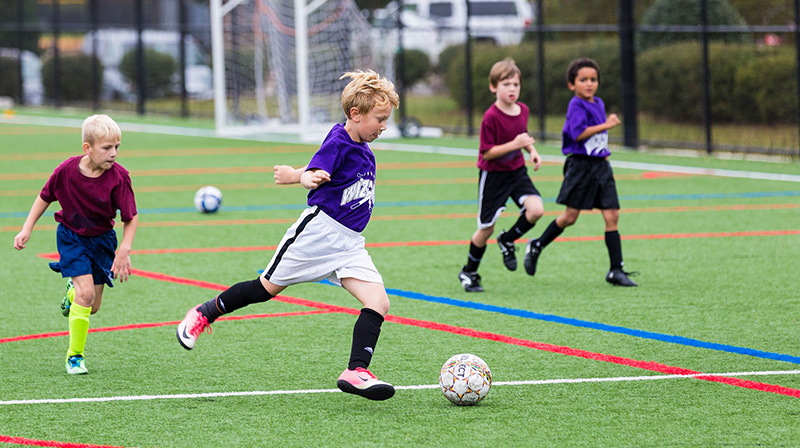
{"x":90,"y":189}
{"x":502,"y":173}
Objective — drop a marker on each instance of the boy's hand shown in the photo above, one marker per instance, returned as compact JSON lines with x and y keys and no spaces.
{"x":612,"y":121}
{"x":121,"y":269}
{"x":523,"y":140}
{"x":314,"y":178}
{"x":536,"y":159}
{"x":284,"y":174}
{"x":21,"y":238}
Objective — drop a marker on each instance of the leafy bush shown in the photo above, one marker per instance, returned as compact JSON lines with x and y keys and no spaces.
{"x":159,"y":69}
{"x":75,"y":71}
{"x":557,"y":57}
{"x":687,"y":12}
{"x":9,"y":78}
{"x":416,"y":66}
{"x":747,"y":83}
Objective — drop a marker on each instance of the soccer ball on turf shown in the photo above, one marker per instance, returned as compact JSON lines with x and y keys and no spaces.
{"x":208,"y":199}
{"x":465,"y":379}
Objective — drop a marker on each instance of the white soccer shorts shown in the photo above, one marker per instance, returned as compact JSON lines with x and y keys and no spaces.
{"x":316,"y":247}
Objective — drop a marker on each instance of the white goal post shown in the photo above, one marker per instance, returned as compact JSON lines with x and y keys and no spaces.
{"x":277,"y":63}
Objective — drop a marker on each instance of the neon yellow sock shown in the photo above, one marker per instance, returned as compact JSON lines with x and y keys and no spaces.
{"x":78,"y":329}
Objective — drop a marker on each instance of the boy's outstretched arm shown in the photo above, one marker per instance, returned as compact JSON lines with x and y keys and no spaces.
{"x":611,"y":122}
{"x":121,"y":268}
{"x":37,"y":210}
{"x":285,"y":175}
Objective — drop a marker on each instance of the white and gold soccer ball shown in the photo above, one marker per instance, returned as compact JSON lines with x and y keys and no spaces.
{"x":465,"y":379}
{"x":208,"y":199}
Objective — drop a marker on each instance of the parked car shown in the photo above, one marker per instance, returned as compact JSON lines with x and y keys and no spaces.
{"x":433,"y":25}
{"x":32,"y":86}
{"x":113,"y":44}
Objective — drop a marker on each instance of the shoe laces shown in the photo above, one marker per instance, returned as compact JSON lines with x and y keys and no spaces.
{"x":74,"y":361}
{"x":629,"y":274}
{"x":200,"y":325}
{"x":363,"y":370}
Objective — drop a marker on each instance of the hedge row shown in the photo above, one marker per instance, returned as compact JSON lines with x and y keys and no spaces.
{"x":747,"y":83}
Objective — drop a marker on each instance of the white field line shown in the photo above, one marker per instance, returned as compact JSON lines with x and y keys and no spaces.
{"x":288,"y":138}
{"x":416,"y":387}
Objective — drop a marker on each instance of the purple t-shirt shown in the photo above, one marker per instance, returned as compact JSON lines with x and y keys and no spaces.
{"x":350,"y":194}
{"x":582,"y":114}
{"x":498,"y":128}
{"x":89,"y":204}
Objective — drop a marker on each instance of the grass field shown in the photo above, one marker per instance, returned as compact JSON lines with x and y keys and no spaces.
{"x":703,"y":353}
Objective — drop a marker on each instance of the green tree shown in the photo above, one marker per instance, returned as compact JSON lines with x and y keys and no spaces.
{"x":687,"y":12}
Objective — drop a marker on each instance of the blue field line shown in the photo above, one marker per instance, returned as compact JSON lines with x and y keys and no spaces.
{"x":268,"y":207}
{"x":592,"y":325}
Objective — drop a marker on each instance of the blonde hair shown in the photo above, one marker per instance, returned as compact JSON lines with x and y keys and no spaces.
{"x":501,"y":70}
{"x":366,"y":91}
{"x":100,"y":127}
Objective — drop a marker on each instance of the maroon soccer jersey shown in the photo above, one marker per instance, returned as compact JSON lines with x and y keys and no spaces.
{"x":498,"y":128}
{"x":89,"y":204}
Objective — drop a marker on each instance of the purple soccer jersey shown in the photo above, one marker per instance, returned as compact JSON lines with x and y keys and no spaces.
{"x":89,"y":204}
{"x":350,"y":194}
{"x":582,"y":114}
{"x":498,"y":128}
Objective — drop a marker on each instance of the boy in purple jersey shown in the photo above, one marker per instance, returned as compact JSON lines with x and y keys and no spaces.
{"x":588,"y":179}
{"x":502,"y":173}
{"x":326,"y":241}
{"x":90,"y":189}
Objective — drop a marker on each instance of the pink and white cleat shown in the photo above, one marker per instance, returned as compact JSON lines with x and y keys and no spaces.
{"x":190,"y":328}
{"x":362,"y":382}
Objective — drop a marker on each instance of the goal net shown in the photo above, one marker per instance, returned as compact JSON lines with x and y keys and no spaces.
{"x":277,"y":63}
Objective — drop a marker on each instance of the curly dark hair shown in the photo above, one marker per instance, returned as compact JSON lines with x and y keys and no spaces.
{"x":577,"y":64}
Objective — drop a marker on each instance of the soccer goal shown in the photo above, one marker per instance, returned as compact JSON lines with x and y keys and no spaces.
{"x":277,"y":63}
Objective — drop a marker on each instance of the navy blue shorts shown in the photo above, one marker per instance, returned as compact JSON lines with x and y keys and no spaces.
{"x":588,"y":183}
{"x":81,"y":255}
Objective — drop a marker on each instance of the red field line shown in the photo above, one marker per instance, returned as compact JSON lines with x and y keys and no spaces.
{"x":435,"y":216}
{"x":645,"y":365}
{"x":50,"y":443}
{"x":197,"y":250}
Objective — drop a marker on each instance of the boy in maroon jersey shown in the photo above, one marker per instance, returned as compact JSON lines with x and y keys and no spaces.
{"x":90,"y":189}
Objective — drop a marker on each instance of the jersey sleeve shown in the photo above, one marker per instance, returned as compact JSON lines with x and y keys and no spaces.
{"x":124,"y":198}
{"x":577,"y":120}
{"x":488,"y":133}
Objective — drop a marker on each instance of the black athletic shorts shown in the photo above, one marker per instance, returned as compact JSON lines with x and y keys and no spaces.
{"x":494,"y":189}
{"x":588,"y":183}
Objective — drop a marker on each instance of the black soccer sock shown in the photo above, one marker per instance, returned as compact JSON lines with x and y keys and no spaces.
{"x":365,"y":336}
{"x":550,"y":233}
{"x":474,"y":258}
{"x":614,"y":246}
{"x":237,"y":296}
{"x":520,"y":227}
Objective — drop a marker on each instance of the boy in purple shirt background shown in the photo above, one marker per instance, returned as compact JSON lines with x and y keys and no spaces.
{"x":90,"y":189}
{"x":326,"y":241}
{"x":502,"y":173}
{"x":588,"y":178}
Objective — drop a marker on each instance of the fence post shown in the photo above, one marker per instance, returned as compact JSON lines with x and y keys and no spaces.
{"x":706,"y":81}
{"x":468,"y":77}
{"x":797,"y":48}
{"x":540,"y":50}
{"x":400,"y":68}
{"x":628,"y":60}
{"x":139,"y":57}
{"x":93,"y":18}
{"x":182,"y":56}
{"x":56,"y":57}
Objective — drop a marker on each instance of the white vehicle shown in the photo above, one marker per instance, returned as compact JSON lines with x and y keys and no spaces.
{"x":112,"y":44}
{"x":32,"y":86}
{"x":433,"y":25}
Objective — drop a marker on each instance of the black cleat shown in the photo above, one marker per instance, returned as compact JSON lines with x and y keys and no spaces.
{"x":532,"y":252}
{"x":507,"y":249}
{"x":471,"y":281}
{"x":619,"y":277}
